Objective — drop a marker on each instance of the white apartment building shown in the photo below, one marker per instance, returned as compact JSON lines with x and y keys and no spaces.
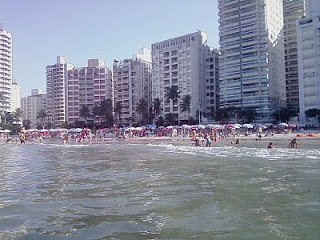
{"x":211,"y":77}
{"x":15,"y":95}
{"x":32,"y":104}
{"x":180,"y":62}
{"x":5,"y":70}
{"x":87,"y":86}
{"x":252,"y":56}
{"x":56,"y":81}
{"x":308,"y":59}
{"x":292,"y":11}
{"x":132,"y":82}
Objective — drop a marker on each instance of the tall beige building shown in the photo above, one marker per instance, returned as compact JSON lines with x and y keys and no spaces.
{"x":5,"y":70}
{"x":132,"y":82}
{"x":180,"y":62}
{"x":56,"y":91}
{"x":292,"y":11}
{"x":32,"y":105}
{"x":87,"y":86}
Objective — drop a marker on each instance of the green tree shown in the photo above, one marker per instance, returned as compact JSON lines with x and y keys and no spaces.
{"x":142,"y":109}
{"x":313,"y":113}
{"x":185,"y":105}
{"x":18,"y":115}
{"x":85,"y":113}
{"x":26,"y":123}
{"x":172,"y":93}
{"x":41,"y":115}
{"x":118,"y":111}
{"x":96,"y":112}
{"x":247,"y":115}
{"x":284,"y":114}
{"x":106,"y":108}
{"x":223,"y":115}
{"x":157,"y":106}
{"x":170,"y":119}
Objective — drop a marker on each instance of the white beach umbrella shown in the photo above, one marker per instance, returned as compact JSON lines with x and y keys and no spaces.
{"x":247,"y":125}
{"x":185,"y":126}
{"x":201,"y":126}
{"x":6,"y":131}
{"x":283,"y":125}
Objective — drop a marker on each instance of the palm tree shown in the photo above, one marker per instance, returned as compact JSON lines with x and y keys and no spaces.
{"x":2,"y":101}
{"x":85,"y":113}
{"x":157,"y":106}
{"x":185,"y":105}
{"x":106,"y":109}
{"x":41,"y":115}
{"x":96,"y":111}
{"x":18,"y":115}
{"x":172,"y":93}
{"x":117,"y":111}
{"x":170,"y":118}
{"x":142,"y":109}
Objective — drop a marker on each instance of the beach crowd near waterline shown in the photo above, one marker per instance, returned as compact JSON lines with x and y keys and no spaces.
{"x":193,"y":136}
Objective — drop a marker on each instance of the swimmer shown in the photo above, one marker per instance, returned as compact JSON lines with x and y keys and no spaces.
{"x":270,"y":145}
{"x":293,"y":143}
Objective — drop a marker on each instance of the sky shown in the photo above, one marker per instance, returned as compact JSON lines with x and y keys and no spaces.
{"x":82,"y":29}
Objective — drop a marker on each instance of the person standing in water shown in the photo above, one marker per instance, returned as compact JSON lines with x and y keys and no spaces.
{"x":293,"y":143}
{"x":270,"y":145}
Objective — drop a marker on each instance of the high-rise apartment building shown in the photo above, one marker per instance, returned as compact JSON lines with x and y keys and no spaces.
{"x":87,"y":86}
{"x":15,"y":95}
{"x":5,"y":69}
{"x":56,"y":81}
{"x":292,"y":11}
{"x":308,"y":30}
{"x":180,"y":62}
{"x":132,"y":82}
{"x":32,"y":105}
{"x":211,"y":77}
{"x":252,"y":56}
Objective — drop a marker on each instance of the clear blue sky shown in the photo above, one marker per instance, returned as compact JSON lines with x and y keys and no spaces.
{"x":82,"y":29}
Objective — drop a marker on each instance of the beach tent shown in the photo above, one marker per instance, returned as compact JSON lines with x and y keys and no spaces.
{"x":247,"y":125}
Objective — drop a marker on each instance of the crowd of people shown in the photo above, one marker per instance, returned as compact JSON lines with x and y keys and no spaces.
{"x":199,"y":136}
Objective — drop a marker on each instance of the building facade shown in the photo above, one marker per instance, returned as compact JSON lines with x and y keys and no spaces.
{"x":180,"y":62}
{"x":252,"y":56}
{"x":87,"y":86}
{"x":15,"y":95}
{"x":32,"y":105}
{"x":5,"y":69}
{"x":292,"y":11}
{"x":132,"y":82}
{"x":211,"y":77}
{"x":56,"y":80}
{"x":308,"y":30}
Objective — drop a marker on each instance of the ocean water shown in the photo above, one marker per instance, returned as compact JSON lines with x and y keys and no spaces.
{"x":159,"y":191}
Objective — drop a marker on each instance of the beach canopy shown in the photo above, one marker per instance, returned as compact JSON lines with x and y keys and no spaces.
{"x":283,"y":125}
{"x":5,"y":131}
{"x":247,"y":125}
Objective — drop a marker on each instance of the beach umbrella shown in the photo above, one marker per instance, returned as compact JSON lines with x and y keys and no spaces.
{"x":237,"y":125}
{"x":130,"y":128}
{"x":201,"y":126}
{"x":247,"y":125}
{"x":170,"y":127}
{"x":283,"y":125}
{"x":292,"y":125}
{"x":6,"y":131}
{"x":185,"y":126}
{"x":139,"y":128}
{"x":268,"y":124}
